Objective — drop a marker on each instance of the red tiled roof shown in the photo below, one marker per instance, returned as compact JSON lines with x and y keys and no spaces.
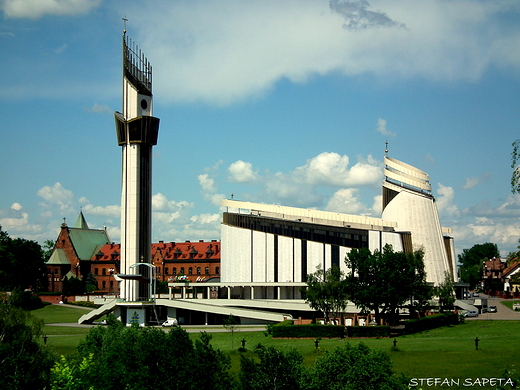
{"x":511,"y":268}
{"x":168,"y":250}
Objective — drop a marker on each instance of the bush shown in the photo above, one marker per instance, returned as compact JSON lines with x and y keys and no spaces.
{"x":85,"y":304}
{"x":431,"y":322}
{"x":309,"y":331}
{"x":368,"y":331}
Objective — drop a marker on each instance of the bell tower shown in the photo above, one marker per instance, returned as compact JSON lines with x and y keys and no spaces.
{"x":137,"y":131}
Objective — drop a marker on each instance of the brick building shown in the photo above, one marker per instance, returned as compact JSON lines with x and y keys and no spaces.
{"x":73,"y":251}
{"x":80,"y":250}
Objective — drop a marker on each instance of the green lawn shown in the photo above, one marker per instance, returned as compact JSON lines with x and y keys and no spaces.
{"x":445,"y":352}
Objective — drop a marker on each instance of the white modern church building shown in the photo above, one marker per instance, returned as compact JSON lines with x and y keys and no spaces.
{"x":271,"y":248}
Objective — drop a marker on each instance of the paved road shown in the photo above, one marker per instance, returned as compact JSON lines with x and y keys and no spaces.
{"x":503,"y":312}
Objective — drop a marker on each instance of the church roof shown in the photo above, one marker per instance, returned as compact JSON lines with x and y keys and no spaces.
{"x":87,"y":242}
{"x":58,"y":257}
{"x":81,"y":222}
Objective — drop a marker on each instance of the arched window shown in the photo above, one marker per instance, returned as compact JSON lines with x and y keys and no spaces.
{"x":190,"y":271}
{"x":207,"y":270}
{"x":198,"y":270}
{"x":174,"y":271}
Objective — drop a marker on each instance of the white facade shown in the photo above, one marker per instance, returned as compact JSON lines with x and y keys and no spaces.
{"x":269,"y":243}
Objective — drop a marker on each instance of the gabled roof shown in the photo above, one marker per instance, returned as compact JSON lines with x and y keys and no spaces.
{"x":58,"y":257}
{"x":87,"y":242}
{"x":511,"y":269}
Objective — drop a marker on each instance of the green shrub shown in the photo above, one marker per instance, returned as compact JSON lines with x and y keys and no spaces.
{"x":368,"y":331}
{"x":431,"y":322}
{"x":85,"y":304}
{"x":309,"y":331}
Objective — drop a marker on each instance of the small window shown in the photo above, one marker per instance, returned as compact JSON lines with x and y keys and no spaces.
{"x":166,"y":270}
{"x":95,"y":271}
{"x":198,"y":270}
{"x":217,"y":270}
{"x":104,"y":284}
{"x":104,"y":271}
{"x":207,"y":270}
{"x":190,"y":271}
{"x":174,"y":271}
{"x":182,"y":270}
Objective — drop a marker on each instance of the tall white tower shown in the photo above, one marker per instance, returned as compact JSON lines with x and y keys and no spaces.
{"x":407,"y":200}
{"x":137,"y":132}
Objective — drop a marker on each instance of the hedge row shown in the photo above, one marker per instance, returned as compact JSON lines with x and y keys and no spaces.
{"x":309,"y":331}
{"x":368,"y":331}
{"x":431,"y":322}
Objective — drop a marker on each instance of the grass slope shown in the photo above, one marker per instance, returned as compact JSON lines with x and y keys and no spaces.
{"x":447,"y":352}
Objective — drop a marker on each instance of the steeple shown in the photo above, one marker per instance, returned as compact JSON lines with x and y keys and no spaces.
{"x":81,"y":222}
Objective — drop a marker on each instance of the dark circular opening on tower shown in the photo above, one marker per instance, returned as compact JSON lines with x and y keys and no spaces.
{"x":144,"y":104}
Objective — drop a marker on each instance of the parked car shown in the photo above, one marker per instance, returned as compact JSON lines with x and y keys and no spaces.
{"x":471,"y":313}
{"x":170,"y":322}
{"x":492,"y":309}
{"x":476,"y":294}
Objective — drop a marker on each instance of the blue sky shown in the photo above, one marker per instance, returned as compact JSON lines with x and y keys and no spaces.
{"x":286,"y":102}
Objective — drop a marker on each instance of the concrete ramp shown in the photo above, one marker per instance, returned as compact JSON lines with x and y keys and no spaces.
{"x":207,"y":307}
{"x":464,"y":305}
{"x":98,"y":313}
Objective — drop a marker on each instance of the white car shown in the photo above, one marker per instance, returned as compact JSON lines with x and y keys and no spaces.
{"x":170,"y":322}
{"x":471,"y":313}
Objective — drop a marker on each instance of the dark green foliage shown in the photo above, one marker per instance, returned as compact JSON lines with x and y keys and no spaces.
{"x":368,"y":331}
{"x":25,"y":300}
{"x":275,"y":371}
{"x":310,"y":331}
{"x":162,"y":287}
{"x":431,"y":322}
{"x":148,"y":358}
{"x":326,"y":292}
{"x":471,"y":262}
{"x":24,"y":361}
{"x":72,"y":286}
{"x":383,"y":281}
{"x":90,"y":283}
{"x":445,"y":293}
{"x":352,"y":368}
{"x":21,"y":264}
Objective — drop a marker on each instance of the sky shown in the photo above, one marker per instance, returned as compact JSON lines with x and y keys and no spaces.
{"x":280,"y":102}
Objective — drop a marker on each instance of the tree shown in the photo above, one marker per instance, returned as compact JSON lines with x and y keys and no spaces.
{"x":326,"y":292}
{"x":231,"y":323}
{"x":148,"y":358}
{"x":47,"y":248}
{"x":354,"y":368}
{"x":24,"y":361}
{"x":72,"y":286}
{"x":90,"y":283}
{"x":471,"y":261}
{"x":445,"y":293}
{"x":383,"y":281}
{"x":275,"y":371}
{"x":21,"y":264}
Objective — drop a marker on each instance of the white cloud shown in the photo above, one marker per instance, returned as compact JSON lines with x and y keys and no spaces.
{"x":35,"y":9}
{"x":228,"y":51}
{"x":333,"y":169}
{"x":99,"y":109}
{"x":16,"y":206}
{"x":346,"y":201}
{"x":381,"y":128}
{"x":445,"y":199}
{"x":209,"y":189}
{"x":57,"y":195}
{"x":470,"y":183}
{"x":242,"y":172}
